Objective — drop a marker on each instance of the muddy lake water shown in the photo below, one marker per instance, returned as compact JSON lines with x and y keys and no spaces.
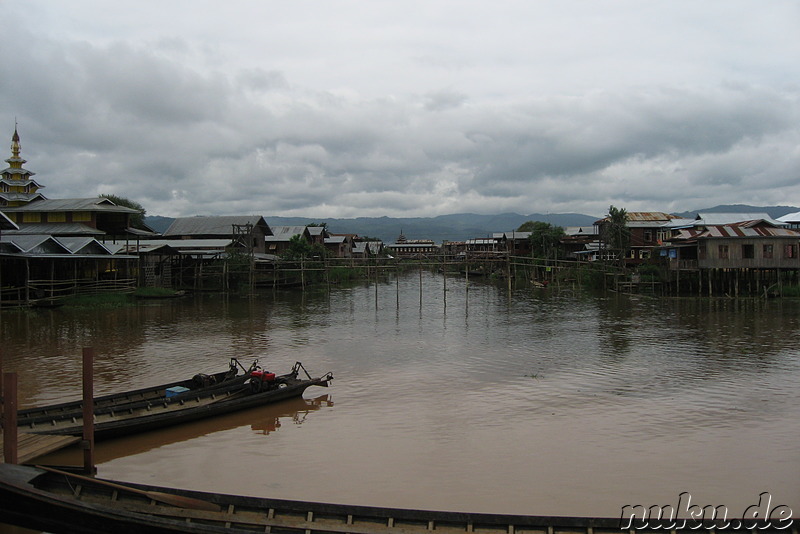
{"x":451,"y":394}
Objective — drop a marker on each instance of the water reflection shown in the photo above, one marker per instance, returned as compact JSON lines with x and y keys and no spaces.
{"x":455,"y":396}
{"x":263,"y":421}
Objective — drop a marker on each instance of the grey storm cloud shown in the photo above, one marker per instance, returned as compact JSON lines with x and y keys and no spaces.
{"x":169,"y":122}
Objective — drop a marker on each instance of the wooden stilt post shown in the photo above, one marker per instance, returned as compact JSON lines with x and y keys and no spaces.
{"x":88,"y":411}
{"x":10,"y":450}
{"x":420,"y":285}
{"x":1,"y":383}
{"x":444,"y":279}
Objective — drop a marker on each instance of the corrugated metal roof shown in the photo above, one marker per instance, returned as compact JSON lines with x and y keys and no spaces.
{"x":186,"y":244}
{"x":744,"y":231}
{"x":219,"y":226}
{"x":56,"y":229}
{"x":6,"y":223}
{"x":580,"y":230}
{"x":72,"y":204}
{"x":639,"y":217}
{"x":649,"y":216}
{"x":18,"y":182}
{"x":716,"y":219}
{"x":284,"y":233}
{"x":37,"y":244}
{"x":142,"y":247}
{"x":83,"y":245}
{"x":791,"y":218}
{"x":513,"y":234}
{"x":20,"y":197}
{"x":678,"y":223}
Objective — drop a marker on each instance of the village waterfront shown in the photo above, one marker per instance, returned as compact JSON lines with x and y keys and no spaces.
{"x":451,"y":393}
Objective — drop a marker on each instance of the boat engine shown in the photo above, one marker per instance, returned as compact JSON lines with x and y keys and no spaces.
{"x":262,"y":380}
{"x":201,"y":380}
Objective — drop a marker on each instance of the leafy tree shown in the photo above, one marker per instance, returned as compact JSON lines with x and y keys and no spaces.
{"x":617,"y":234}
{"x":137,"y":219}
{"x":545,"y":238}
{"x":299,"y":248}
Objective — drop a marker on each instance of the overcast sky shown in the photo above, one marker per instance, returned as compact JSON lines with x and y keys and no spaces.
{"x":325,"y":108}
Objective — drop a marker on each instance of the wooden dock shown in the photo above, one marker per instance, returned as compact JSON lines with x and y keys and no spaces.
{"x":31,"y":446}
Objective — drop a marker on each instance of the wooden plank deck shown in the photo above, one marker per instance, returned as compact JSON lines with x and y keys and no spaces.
{"x":31,"y":446}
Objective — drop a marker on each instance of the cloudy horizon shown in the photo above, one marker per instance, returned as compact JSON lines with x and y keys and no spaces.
{"x":411,"y":109}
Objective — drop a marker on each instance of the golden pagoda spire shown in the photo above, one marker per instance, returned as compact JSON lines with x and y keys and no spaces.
{"x":15,"y":148}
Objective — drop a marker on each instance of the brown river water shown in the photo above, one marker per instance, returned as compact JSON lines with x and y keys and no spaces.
{"x":451,"y":395}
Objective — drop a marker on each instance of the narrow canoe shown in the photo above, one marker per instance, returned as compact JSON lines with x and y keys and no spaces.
{"x":36,"y":415}
{"x":58,"y":501}
{"x":169,"y":404}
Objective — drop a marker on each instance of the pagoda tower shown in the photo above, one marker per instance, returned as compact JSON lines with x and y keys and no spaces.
{"x":16,"y":186}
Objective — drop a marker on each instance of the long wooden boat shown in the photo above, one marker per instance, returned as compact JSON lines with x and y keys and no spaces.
{"x":173,"y":403}
{"x":37,"y":415}
{"x":61,"y":502}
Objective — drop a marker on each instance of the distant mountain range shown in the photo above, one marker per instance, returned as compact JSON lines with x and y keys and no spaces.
{"x":461,"y":226}
{"x":772,"y":211}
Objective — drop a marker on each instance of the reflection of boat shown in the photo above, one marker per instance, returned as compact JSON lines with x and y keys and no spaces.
{"x":272,"y":422}
{"x":57,"y":501}
{"x":174,"y":403}
{"x":261,"y":420}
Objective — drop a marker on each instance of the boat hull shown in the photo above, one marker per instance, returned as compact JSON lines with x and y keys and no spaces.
{"x":148,"y":409}
{"x":39,"y":498}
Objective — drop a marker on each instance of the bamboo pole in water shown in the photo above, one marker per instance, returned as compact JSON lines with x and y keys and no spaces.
{"x":420,"y":286}
{"x":88,"y":410}
{"x":444,"y":280}
{"x":10,"y":451}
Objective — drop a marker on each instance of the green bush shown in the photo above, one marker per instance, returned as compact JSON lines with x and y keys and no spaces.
{"x":344,"y":274}
{"x":790,"y":291}
{"x":591,"y":276}
{"x":154,"y":292}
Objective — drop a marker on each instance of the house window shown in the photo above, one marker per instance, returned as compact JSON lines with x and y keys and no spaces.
{"x":31,"y":217}
{"x":59,"y":216}
{"x":701,"y":252}
{"x":768,"y":252}
{"x":81,"y":216}
{"x":648,"y":235}
{"x":723,"y":252}
{"x":748,"y":252}
{"x":790,"y":251}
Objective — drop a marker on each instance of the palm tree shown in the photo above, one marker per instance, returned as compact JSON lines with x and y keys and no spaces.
{"x":617,"y":235}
